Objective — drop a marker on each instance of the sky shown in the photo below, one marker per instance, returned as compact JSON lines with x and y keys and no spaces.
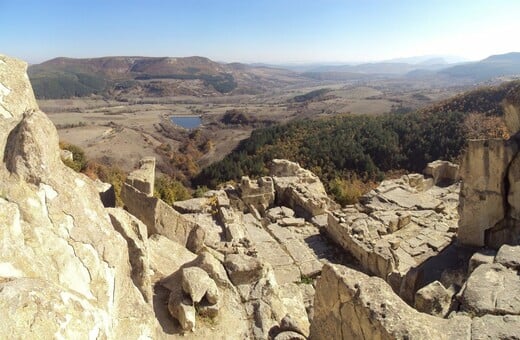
{"x":269,"y":31}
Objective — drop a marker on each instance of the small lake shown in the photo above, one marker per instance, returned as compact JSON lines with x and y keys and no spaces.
{"x":187,"y":122}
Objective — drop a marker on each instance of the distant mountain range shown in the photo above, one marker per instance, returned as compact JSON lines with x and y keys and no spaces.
{"x":199,"y":76}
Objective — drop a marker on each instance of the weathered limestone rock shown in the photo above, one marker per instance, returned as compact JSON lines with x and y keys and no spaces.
{"x":511,"y":116}
{"x":135,"y":235}
{"x":181,"y":308}
{"x":513,"y":197}
{"x":243,"y":269}
{"x":352,"y":305}
{"x":287,"y":324}
{"x":483,"y":195}
{"x":480,"y":257}
{"x":299,"y":189}
{"x":143,"y":179}
{"x":16,"y":94}
{"x":442,"y":172}
{"x":270,"y":251}
{"x":296,"y":318}
{"x":277,"y":213}
{"x":193,"y":205}
{"x":66,"y":155}
{"x":396,"y":230}
{"x":289,"y":335}
{"x":159,"y":217}
{"x":433,"y":299}
{"x":509,"y":256}
{"x":195,"y":242}
{"x":35,"y":308}
{"x":166,"y":256}
{"x":499,"y":327}
{"x":59,"y":252}
{"x":107,"y":193}
{"x":259,"y":193}
{"x":196,"y":282}
{"x":492,"y":289}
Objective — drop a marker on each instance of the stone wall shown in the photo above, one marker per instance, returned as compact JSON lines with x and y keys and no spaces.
{"x":158,"y":216}
{"x":397,"y":229}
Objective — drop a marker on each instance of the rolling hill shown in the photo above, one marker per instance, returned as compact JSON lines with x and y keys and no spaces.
{"x":150,"y":76}
{"x":491,"y":67}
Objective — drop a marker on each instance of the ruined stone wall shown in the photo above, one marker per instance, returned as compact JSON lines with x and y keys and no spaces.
{"x":158,"y":216}
{"x":398,"y":228}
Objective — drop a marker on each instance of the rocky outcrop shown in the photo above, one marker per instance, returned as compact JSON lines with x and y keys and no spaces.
{"x":490,"y":194}
{"x":352,"y":305}
{"x":442,"y":172}
{"x":433,"y":299}
{"x":65,"y":271}
{"x":483,"y":196}
{"x":299,"y":189}
{"x":107,"y":193}
{"x":143,"y":179}
{"x":494,"y":286}
{"x":397,"y":229}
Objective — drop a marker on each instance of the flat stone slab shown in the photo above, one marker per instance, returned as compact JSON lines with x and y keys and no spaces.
{"x":408,"y":200}
{"x":273,"y":253}
{"x":287,"y":274}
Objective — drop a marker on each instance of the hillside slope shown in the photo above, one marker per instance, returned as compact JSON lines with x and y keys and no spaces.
{"x":149,"y":76}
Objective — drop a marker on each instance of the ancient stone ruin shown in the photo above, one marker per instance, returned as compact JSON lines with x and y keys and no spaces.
{"x":269,"y":258}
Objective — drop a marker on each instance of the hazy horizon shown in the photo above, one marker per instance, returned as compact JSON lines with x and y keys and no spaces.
{"x":271,"y":32}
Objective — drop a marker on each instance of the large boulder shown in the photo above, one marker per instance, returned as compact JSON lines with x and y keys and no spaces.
{"x":58,"y":248}
{"x":299,"y":189}
{"x":442,"y":172}
{"x":244,"y":269}
{"x":352,"y":305}
{"x":492,"y":289}
{"x":433,"y":299}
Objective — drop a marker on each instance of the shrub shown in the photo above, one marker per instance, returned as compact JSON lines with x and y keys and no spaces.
{"x":170,"y":190}
{"x":346,"y":191}
{"x":79,"y":162}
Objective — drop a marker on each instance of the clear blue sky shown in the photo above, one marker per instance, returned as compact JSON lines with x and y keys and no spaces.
{"x":259,"y":31}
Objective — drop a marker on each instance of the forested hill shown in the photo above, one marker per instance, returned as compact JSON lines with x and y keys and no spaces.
{"x":346,"y":147}
{"x":487,"y":100}
{"x":352,"y":149}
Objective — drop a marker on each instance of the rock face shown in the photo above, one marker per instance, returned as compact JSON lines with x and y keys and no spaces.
{"x":352,"y":305}
{"x":483,"y":196}
{"x":65,"y":271}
